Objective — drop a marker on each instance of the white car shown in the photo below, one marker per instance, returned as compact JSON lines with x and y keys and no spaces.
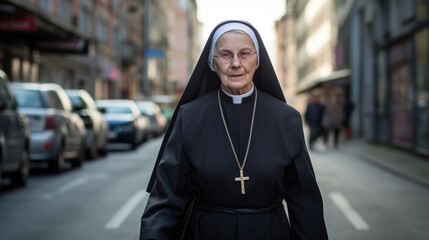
{"x":57,"y":134}
{"x":14,"y":137}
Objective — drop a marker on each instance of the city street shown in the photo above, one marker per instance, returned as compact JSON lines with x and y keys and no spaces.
{"x":105,"y":199}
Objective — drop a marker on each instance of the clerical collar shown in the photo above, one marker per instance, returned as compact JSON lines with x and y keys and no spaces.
{"x":238,"y":99}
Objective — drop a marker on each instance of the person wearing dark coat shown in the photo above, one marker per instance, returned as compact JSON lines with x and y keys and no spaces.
{"x":238,"y":147}
{"x":313,"y":118}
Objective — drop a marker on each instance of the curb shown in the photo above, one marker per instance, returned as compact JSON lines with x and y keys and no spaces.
{"x":388,"y":168}
{"x":400,"y":163}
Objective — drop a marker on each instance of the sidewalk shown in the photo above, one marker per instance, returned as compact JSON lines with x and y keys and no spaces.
{"x":400,"y":162}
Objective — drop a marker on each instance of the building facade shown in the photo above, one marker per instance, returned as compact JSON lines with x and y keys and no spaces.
{"x":68,"y":42}
{"x":373,"y":54}
{"x":394,"y":72}
{"x":113,"y":49}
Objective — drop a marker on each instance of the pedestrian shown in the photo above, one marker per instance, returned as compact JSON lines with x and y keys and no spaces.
{"x":332,"y":120}
{"x":348,"y":108}
{"x":313,"y":118}
{"x":235,"y":145}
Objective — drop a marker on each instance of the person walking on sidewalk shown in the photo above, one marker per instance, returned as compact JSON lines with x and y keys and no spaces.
{"x":313,"y":118}
{"x":332,"y":120}
{"x":238,"y":147}
{"x":348,"y":108}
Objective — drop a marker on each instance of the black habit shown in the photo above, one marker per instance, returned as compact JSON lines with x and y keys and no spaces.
{"x":198,"y":160}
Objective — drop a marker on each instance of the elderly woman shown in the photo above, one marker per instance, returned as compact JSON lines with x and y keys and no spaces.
{"x":237,"y":147}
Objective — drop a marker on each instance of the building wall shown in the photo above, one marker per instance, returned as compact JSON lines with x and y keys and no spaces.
{"x":178,"y":71}
{"x":314,"y":41}
{"x":114,"y":64}
{"x":389,"y":61}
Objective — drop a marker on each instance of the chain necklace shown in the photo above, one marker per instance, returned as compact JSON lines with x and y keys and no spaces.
{"x":242,"y":178}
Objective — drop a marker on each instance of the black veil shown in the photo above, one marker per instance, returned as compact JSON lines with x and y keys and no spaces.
{"x":204,"y":80}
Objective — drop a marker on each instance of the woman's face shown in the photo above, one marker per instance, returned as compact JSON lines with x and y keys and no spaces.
{"x":237,"y":75}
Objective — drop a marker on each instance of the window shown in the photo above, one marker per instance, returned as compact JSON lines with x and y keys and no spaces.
{"x":401,"y":102}
{"x":422,"y":89}
{"x":54,"y":100}
{"x":85,"y":24}
{"x":28,"y":98}
{"x":64,"y":10}
{"x":45,"y":4}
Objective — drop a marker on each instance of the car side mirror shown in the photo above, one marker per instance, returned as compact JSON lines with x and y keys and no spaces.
{"x":102,"y":110}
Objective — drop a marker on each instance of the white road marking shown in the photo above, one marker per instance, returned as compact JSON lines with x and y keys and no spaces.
{"x":355,"y":219}
{"x":73,"y":184}
{"x":120,"y":216}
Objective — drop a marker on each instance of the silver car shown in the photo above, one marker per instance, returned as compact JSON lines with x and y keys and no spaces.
{"x":158,"y":122}
{"x":14,"y":137}
{"x":95,"y":124}
{"x":56,"y":133}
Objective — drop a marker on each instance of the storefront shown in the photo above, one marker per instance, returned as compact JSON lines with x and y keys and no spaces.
{"x":402,"y":92}
{"x":401,"y":96}
{"x":38,"y":47}
{"x":421,"y":97}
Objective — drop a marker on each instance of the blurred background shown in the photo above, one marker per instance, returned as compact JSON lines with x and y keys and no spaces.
{"x":84,"y":81}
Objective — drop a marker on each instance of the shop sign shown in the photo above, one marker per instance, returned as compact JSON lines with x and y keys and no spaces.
{"x":18,"y":24}
{"x":63,"y":46}
{"x":154,"y":53}
{"x":114,"y":74}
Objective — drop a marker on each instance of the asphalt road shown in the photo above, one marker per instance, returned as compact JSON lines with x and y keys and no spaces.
{"x":364,"y":202}
{"x":106,"y":197}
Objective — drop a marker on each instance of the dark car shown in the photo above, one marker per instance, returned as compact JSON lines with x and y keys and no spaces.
{"x":126,"y":125}
{"x":95,"y":124}
{"x":57,"y":134}
{"x":14,"y":137}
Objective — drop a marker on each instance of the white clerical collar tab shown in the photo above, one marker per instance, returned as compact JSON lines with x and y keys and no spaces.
{"x":238,"y":99}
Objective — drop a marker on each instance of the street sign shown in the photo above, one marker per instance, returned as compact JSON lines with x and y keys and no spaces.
{"x":154,"y":53}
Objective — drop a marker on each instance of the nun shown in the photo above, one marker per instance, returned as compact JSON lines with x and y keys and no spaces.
{"x":238,"y":148}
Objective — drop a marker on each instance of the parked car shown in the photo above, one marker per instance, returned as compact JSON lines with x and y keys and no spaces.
{"x":95,"y":123}
{"x":158,"y":122}
{"x":57,"y":134}
{"x":14,"y":137}
{"x":125,"y":122}
{"x":167,"y":103}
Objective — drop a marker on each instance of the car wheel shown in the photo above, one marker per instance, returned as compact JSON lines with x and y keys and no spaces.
{"x":57,"y":165}
{"x":21,"y":176}
{"x":92,"y":153}
{"x":78,"y":161}
{"x":135,"y":144}
{"x":103,"y":150}
{"x":1,"y":170}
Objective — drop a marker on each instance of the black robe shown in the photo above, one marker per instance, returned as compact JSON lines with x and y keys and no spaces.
{"x":198,"y":160}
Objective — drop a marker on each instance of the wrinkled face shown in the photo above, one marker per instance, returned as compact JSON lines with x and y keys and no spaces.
{"x":237,"y":75}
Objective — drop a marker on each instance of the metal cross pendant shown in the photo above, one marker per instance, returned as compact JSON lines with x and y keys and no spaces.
{"x":242,"y":179}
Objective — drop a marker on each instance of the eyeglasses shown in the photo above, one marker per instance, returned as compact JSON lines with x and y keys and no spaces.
{"x":226,"y":57}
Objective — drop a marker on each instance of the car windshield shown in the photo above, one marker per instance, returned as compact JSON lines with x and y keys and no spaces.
{"x":28,"y":98}
{"x":147,"y":108}
{"x":76,"y":100}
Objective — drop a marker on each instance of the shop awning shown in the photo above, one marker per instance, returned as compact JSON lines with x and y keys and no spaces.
{"x":21,"y":22}
{"x":336,"y":78}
